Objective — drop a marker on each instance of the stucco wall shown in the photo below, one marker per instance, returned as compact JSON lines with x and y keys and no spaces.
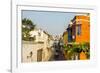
{"x":28,"y":47}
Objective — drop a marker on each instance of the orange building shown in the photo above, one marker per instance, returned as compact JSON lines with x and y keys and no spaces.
{"x":81,"y":28}
{"x":79,"y":31}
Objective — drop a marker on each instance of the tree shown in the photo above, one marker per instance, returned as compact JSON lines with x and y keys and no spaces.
{"x":86,"y":48}
{"x":27,"y":23}
{"x":76,"y":49}
{"x":27,"y":26}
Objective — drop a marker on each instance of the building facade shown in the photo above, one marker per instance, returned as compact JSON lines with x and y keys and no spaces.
{"x":79,"y":29}
{"x":65,"y":38}
{"x":39,"y":49}
{"x":79,"y":33}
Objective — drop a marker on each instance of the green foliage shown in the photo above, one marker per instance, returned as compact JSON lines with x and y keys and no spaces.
{"x":27,"y":26}
{"x":64,"y":46}
{"x":74,"y":48}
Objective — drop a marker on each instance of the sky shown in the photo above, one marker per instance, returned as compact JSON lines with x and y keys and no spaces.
{"x":55,"y":23}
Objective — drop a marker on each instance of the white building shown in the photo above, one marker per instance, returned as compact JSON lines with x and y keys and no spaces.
{"x":38,"y":34}
{"x":39,"y":49}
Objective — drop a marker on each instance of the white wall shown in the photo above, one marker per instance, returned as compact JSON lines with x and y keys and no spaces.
{"x":5,"y":35}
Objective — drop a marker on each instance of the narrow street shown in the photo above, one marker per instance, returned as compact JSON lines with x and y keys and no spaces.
{"x":57,"y":52}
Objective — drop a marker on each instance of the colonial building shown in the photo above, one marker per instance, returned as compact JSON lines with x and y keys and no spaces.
{"x":79,"y":33}
{"x":79,"y":29}
{"x":39,"y":49}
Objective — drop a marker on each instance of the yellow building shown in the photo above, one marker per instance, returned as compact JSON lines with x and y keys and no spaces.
{"x":65,"y":37}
